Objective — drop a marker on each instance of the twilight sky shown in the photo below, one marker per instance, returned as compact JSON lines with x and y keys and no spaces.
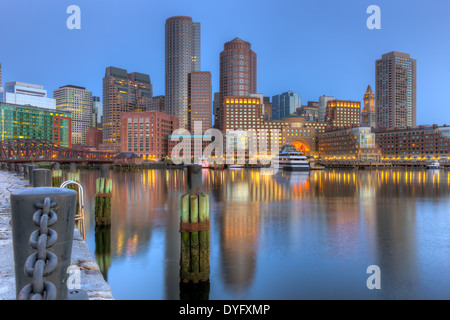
{"x":311,"y":47}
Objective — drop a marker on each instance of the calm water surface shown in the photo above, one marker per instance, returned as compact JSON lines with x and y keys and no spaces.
{"x":287,"y":236}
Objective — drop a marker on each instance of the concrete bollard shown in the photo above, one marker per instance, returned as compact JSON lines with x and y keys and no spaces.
{"x":19,"y":169}
{"x":25,"y":172}
{"x":31,"y":167}
{"x":42,"y":178}
{"x":53,"y":211}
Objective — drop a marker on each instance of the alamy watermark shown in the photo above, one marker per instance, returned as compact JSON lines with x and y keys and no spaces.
{"x":374,"y":21}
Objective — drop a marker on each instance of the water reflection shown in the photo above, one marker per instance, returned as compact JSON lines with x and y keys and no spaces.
{"x":323,"y":229}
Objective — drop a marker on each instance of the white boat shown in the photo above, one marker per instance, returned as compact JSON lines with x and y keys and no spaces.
{"x":434,"y":165}
{"x":289,"y":159}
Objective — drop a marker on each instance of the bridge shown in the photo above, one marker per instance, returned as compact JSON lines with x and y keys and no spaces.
{"x":39,"y":150}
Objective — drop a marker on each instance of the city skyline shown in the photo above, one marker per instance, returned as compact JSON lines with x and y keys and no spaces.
{"x":279,"y":70}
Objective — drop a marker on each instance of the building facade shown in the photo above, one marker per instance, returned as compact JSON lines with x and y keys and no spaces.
{"x":122,"y":92}
{"x":28,"y":122}
{"x":200,"y":100}
{"x":357,"y":144}
{"x":97,"y":112}
{"x":94,"y":137}
{"x":182,"y":56}
{"x":310,"y":111}
{"x":395,"y":75}
{"x":78,"y":101}
{"x":419,"y":143}
{"x":343,"y":113}
{"x":26,"y":94}
{"x":147,"y":133}
{"x":285,"y":104}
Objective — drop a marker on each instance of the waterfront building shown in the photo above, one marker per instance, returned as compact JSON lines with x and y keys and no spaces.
{"x":343,"y":113}
{"x":302,"y":134}
{"x":78,"y":101}
{"x":22,"y":93}
{"x":237,"y":72}
{"x":348,"y":144}
{"x":395,"y":91}
{"x":182,"y":56}
{"x":200,"y":100}
{"x":419,"y":143}
{"x":147,"y":133}
{"x":368,"y":113}
{"x":310,"y":112}
{"x":122,"y":92}
{"x":322,"y":110}
{"x":157,"y":104}
{"x":216,"y":109}
{"x":29,"y":122}
{"x":94,"y":137}
{"x":285,"y":104}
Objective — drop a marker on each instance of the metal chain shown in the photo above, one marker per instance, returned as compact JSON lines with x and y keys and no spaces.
{"x":42,"y":263}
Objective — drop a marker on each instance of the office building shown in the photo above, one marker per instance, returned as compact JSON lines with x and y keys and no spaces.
{"x":200,"y":100}
{"x":182,"y":56}
{"x":395,"y":91}
{"x":237,"y":72}
{"x":147,"y":133}
{"x":285,"y":104}
{"x":122,"y":92}
{"x":310,"y":112}
{"x":24,"y":94}
{"x":157,"y":104}
{"x":29,"y":122}
{"x":322,"y":110}
{"x":78,"y":101}
{"x":343,"y":113}
{"x":97,"y":112}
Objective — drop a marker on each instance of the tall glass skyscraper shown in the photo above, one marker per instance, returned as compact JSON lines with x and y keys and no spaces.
{"x":285,"y":104}
{"x":182,"y":56}
{"x":395,"y":91}
{"x":26,"y":94}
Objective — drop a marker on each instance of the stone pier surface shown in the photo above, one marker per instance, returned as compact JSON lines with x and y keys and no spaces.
{"x":92,"y":280}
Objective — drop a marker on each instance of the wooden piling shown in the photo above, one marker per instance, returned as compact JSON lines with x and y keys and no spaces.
{"x":194,"y":229}
{"x":103,"y":189}
{"x":56,"y":177}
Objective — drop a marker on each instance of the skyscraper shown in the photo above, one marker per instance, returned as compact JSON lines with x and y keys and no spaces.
{"x":395,"y":91}
{"x":285,"y":104}
{"x":122,"y":92}
{"x":182,"y":56}
{"x":323,"y":102}
{"x":78,"y":101}
{"x":200,"y":103}
{"x":368,"y":113}
{"x":237,"y":71}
